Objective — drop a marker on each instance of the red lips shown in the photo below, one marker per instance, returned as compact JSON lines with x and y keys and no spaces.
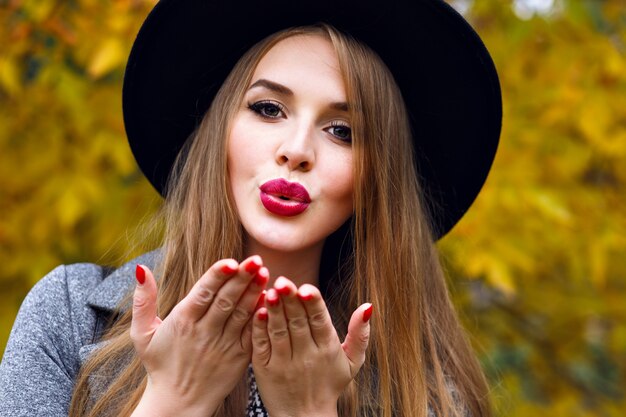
{"x":284,"y":198}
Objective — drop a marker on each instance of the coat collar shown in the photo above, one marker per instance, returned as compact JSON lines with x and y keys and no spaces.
{"x":110,"y":293}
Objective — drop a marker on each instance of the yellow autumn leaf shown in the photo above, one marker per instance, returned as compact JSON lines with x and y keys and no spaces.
{"x":70,"y":208}
{"x":598,"y":258}
{"x":38,"y":10}
{"x":10,"y":77}
{"x":594,"y":119}
{"x":110,"y":54}
{"x":496,"y":272}
{"x":499,"y":276}
{"x":615,"y":63}
{"x":550,"y":206}
{"x":120,"y":21}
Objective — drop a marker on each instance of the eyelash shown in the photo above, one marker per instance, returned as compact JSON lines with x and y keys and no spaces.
{"x":260,"y":106}
{"x":336,"y":123}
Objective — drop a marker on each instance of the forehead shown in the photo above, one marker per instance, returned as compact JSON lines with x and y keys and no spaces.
{"x":301,"y":60}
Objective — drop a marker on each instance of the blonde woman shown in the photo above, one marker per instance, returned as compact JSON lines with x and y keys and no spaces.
{"x":310,"y":154}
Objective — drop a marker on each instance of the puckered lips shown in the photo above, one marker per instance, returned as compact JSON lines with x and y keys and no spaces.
{"x":284,"y":198}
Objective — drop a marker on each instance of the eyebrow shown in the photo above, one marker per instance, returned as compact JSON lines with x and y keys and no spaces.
{"x":281,"y":89}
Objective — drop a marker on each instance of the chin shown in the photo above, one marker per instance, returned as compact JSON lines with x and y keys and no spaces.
{"x":283,"y":238}
{"x":284,"y":242}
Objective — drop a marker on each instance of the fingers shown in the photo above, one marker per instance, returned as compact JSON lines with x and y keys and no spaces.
{"x":320,"y":323}
{"x":226,"y":306}
{"x":261,"y":347}
{"x":246,"y":306}
{"x":357,"y":339}
{"x":296,"y":316}
{"x":295,"y":324}
{"x":298,"y":319}
{"x":144,"y":320}
{"x":196,"y":304}
{"x":245,"y":338}
{"x":277,"y":325}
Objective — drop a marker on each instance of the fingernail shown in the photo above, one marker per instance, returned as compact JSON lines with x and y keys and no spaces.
{"x":140,"y":274}
{"x":284,"y":290}
{"x":228,"y":269}
{"x":253,"y":266}
{"x":272,"y":298}
{"x":261,"y":277}
{"x":367,"y":313}
{"x":307,"y":296}
{"x":262,"y":315}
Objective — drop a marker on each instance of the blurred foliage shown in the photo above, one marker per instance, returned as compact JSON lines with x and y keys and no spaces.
{"x":537,"y":266}
{"x":539,"y":262}
{"x":69,"y":188}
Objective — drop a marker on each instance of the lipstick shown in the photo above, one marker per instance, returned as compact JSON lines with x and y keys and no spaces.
{"x":284,"y":198}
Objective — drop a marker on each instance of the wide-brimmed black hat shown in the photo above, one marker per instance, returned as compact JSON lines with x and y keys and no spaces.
{"x":186,"y":48}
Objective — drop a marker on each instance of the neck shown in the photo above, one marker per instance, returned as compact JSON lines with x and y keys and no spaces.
{"x":300,"y":266}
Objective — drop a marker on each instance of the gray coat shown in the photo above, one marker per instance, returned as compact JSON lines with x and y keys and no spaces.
{"x":56,"y":328}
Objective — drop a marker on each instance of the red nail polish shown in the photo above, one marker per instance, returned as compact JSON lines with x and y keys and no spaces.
{"x":228,"y":270}
{"x":261,"y":277}
{"x":283,"y":290}
{"x":305,"y":297}
{"x":259,"y":280}
{"x":252,"y":267}
{"x":367,"y":313}
{"x":140,"y":274}
{"x":272,"y":298}
{"x":262,"y":315}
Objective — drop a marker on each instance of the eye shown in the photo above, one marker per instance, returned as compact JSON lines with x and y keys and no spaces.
{"x":341,"y":131}
{"x":267,"y":109}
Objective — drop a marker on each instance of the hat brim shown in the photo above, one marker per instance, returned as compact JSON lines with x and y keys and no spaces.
{"x":186,"y":48}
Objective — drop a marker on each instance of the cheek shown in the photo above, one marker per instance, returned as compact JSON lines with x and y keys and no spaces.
{"x":236,"y":142}
{"x":240,"y":151}
{"x":236,"y":168}
{"x":341,"y":182}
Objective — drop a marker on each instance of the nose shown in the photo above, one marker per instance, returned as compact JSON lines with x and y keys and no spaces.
{"x":297,"y":151}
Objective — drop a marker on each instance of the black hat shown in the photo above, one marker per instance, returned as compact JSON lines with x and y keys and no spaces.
{"x":186,"y":48}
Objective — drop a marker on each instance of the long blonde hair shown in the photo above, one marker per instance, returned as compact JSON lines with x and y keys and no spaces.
{"x":418,"y":357}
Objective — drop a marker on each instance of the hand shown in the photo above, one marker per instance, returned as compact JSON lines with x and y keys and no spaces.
{"x":198,"y":353}
{"x":300,"y":365}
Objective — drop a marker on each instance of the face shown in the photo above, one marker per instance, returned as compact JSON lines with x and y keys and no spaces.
{"x":289,"y":150}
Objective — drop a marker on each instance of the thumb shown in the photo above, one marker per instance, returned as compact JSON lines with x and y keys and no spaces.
{"x":358,"y":337}
{"x":144,"y":321}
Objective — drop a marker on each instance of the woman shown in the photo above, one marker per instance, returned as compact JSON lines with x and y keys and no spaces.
{"x":306,"y":158}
